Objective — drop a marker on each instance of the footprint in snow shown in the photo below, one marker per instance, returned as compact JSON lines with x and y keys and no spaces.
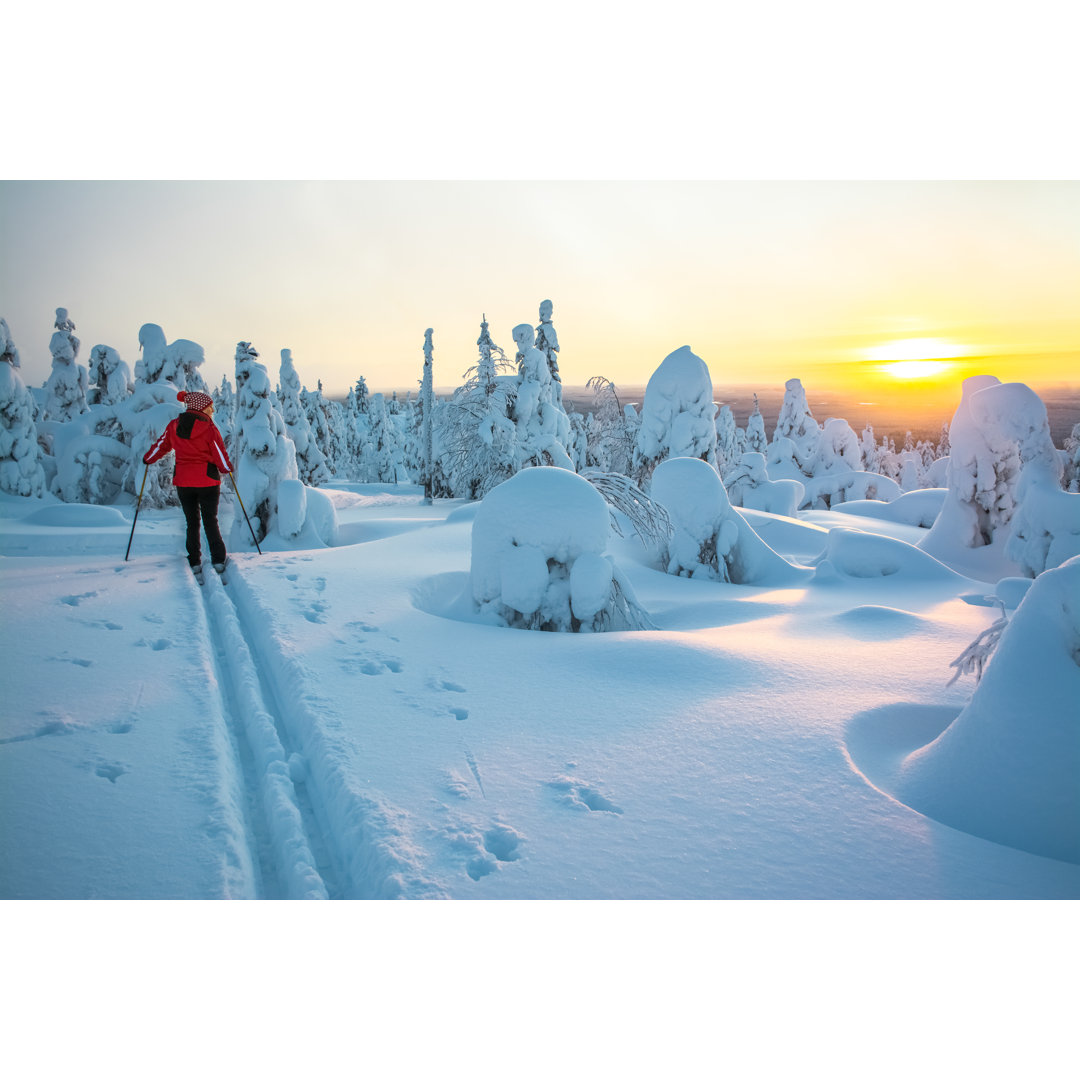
{"x":581,"y":796}
{"x":75,"y":601}
{"x":110,"y":772}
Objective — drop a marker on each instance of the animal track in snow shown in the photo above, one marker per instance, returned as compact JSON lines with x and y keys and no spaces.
{"x":460,"y":714}
{"x":582,"y":796}
{"x":110,"y":772}
{"x":158,"y":644}
{"x":78,"y":661}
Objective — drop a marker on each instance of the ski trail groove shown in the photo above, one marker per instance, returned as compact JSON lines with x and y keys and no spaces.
{"x":366,"y":840}
{"x":294,"y":860}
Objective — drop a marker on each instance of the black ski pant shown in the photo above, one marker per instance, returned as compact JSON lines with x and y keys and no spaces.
{"x":202,"y":502}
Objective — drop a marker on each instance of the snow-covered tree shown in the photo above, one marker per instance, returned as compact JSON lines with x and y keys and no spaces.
{"x":317,"y":413}
{"x":263,"y":457}
{"x":224,"y":409}
{"x":310,"y":461}
{"x":998,"y":428}
{"x":177,"y":363}
{"x":677,"y":418}
{"x":710,"y":539}
{"x":727,"y":452}
{"x":797,"y":424}
{"x":838,"y":449}
{"x":539,"y":557}
{"x":427,"y":420}
{"x":543,"y":428}
{"x":385,"y":449}
{"x":610,"y":442}
{"x":477,"y":439}
{"x":1071,"y":450}
{"x":547,"y":341}
{"x":757,"y":442}
{"x":67,"y":385}
{"x":21,"y":471}
{"x":110,"y":377}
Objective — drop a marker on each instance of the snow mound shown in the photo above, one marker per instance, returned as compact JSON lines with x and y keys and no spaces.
{"x":919,"y":508}
{"x":1007,"y":768}
{"x":77,"y":516}
{"x":877,"y":622}
{"x":852,"y":554}
{"x":711,"y":539}
{"x":538,"y":559}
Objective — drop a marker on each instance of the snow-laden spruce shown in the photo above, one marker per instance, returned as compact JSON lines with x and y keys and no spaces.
{"x":538,"y":557}
{"x":543,"y":428}
{"x":710,"y":538}
{"x":997,"y":429}
{"x":264,"y":458}
{"x":797,"y":425}
{"x":310,"y":462}
{"x":678,"y":415}
{"x":110,"y":377}
{"x":177,"y":362}
{"x":65,"y":390}
{"x":1006,"y":768}
{"x":21,"y":471}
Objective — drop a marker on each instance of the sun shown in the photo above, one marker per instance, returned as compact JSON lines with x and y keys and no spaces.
{"x":916,"y":358}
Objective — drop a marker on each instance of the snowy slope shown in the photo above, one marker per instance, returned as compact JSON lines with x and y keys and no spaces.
{"x":333,"y":722}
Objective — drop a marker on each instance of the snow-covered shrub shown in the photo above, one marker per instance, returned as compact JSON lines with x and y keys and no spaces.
{"x":830,"y":489}
{"x":677,"y":418}
{"x":710,"y":539}
{"x":543,"y":428}
{"x":538,"y":560}
{"x":748,"y":485}
{"x":21,"y":472}
{"x":838,"y":448}
{"x":850,"y":553}
{"x":1006,"y":768}
{"x":66,"y":388}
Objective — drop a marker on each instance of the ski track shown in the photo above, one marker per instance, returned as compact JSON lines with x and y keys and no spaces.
{"x":293,"y":860}
{"x":329,"y":840}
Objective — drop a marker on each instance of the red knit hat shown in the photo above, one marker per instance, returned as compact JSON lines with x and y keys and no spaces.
{"x":195,"y":400}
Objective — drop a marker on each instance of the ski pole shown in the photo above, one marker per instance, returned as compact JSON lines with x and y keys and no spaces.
{"x":136,"y":517}
{"x":246,"y":518}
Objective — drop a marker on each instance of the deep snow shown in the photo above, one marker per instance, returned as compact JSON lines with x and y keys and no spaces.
{"x":336,"y":722}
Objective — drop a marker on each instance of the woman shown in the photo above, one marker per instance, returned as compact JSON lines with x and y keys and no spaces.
{"x":200,"y":461}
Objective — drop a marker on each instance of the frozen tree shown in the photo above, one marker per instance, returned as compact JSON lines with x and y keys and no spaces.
{"x":757,"y":442}
{"x":315,"y":410}
{"x":677,"y":418}
{"x":610,"y":442}
{"x":385,"y":449}
{"x":539,"y":561}
{"x":1046,"y":524}
{"x":998,"y":428}
{"x":310,"y":462}
{"x":177,"y":363}
{"x":477,"y":438}
{"x":797,"y":423}
{"x":264,"y":457}
{"x":67,"y":385}
{"x":579,"y":440}
{"x":547,"y":341}
{"x":871,"y":452}
{"x":427,"y":409}
{"x":838,"y":449}
{"x":711,"y":539}
{"x":543,"y":428}
{"x":21,"y":471}
{"x":1071,"y":448}
{"x":360,"y":467}
{"x":110,"y":377}
{"x":726,"y":439}
{"x":224,"y":409}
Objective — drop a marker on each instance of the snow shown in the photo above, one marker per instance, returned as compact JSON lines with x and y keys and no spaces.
{"x":336,"y":720}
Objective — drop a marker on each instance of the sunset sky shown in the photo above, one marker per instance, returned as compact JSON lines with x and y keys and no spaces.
{"x":831,"y":282}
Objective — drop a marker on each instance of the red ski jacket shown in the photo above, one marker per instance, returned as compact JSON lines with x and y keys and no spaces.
{"x":200,"y":451}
